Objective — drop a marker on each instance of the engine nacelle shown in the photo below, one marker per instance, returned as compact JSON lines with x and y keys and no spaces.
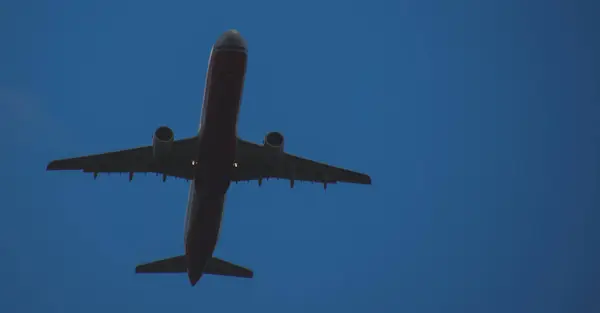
{"x":162,"y":143}
{"x":274,"y":141}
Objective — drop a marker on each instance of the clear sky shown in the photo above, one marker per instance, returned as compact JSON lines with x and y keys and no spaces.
{"x":477,"y":120}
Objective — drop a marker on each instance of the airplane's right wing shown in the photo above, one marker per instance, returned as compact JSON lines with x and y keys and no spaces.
{"x":255,"y":162}
{"x":136,"y":160}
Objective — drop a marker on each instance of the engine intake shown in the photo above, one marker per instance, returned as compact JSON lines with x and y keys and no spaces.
{"x":162,"y":142}
{"x":275,"y":141}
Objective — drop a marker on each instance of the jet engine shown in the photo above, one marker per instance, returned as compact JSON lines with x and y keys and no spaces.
{"x":162,"y":142}
{"x":274,"y":141}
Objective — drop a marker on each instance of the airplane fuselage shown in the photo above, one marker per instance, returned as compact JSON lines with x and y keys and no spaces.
{"x":217,"y":137}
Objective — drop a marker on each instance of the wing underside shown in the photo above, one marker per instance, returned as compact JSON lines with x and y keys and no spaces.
{"x":252,"y":162}
{"x":255,"y":162}
{"x":136,"y":160}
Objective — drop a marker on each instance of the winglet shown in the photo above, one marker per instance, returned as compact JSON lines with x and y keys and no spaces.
{"x":367,"y":180}
{"x":52,"y":166}
{"x":65,"y":164}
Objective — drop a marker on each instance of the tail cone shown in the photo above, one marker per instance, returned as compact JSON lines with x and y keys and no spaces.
{"x":194,"y":277}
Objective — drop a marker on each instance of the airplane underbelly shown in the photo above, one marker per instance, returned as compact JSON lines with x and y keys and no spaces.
{"x":223,"y":95}
{"x":218,"y":133}
{"x":204,"y":224}
{"x":214,"y":170}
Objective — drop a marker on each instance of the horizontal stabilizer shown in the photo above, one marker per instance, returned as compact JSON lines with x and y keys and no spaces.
{"x":219,"y":267}
{"x":177,"y":264}
{"x":171,"y":265}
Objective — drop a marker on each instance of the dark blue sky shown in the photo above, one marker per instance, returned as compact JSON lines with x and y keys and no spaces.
{"x":478,"y":121}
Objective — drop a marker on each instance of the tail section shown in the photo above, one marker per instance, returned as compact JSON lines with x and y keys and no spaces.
{"x":177,"y":264}
{"x":171,"y":265}
{"x":217,"y":266}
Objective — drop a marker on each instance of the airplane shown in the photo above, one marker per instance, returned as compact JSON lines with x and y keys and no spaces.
{"x":211,"y":160}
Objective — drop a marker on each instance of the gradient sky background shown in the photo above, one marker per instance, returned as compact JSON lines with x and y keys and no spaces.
{"x":478,"y":121}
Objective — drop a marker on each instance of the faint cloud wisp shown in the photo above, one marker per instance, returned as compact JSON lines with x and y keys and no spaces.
{"x":24,"y":118}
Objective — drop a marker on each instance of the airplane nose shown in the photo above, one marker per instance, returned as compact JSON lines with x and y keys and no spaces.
{"x":231,"y":39}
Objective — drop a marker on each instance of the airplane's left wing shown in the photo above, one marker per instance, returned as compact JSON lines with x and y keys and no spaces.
{"x":256,"y":162}
{"x":136,"y":160}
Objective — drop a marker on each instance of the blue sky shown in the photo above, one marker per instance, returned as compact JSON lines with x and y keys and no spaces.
{"x":477,"y":120}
